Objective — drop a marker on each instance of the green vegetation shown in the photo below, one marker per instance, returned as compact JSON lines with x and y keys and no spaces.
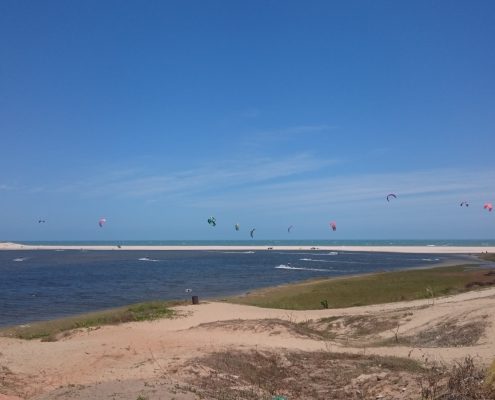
{"x":52,"y":330}
{"x":371,"y":289}
{"x":487,"y":256}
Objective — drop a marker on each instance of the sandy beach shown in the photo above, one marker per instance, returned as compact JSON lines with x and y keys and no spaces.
{"x":137,"y":357}
{"x":385,"y":249}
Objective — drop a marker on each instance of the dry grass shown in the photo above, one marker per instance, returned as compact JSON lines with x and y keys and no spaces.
{"x":451,"y":332}
{"x":261,"y":375}
{"x":464,"y":381}
{"x":9,"y":382}
{"x":258,"y":375}
{"x":273,"y":326}
{"x":490,"y":376}
{"x":338,"y":328}
{"x":359,"y":326}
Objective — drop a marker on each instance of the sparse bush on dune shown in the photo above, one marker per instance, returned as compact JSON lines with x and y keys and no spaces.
{"x":490,"y":376}
{"x":464,"y":381}
{"x":331,"y":376}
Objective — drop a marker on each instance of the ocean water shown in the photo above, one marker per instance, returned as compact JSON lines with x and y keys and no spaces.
{"x":40,"y":285}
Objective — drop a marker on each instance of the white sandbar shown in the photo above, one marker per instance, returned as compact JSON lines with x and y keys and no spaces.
{"x":386,"y":249}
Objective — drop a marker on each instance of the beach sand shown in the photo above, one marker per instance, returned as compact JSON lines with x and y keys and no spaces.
{"x":386,"y":249}
{"x":140,"y":357}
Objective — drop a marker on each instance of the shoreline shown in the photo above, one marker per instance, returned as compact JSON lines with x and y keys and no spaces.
{"x":380,"y":249}
{"x":228,"y":299}
{"x":128,"y":359}
{"x":72,"y":357}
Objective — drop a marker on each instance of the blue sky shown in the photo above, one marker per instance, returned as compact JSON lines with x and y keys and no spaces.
{"x":158,"y":114}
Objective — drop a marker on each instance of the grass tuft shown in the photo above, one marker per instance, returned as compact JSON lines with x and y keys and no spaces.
{"x":487,"y":256}
{"x":448,"y":333}
{"x":49,"y":331}
{"x":464,"y":381}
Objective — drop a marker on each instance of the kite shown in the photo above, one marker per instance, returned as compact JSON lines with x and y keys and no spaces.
{"x":252,"y":233}
{"x":333,"y":225}
{"x":391,"y":195}
{"x":212,"y":221}
{"x":102,"y":222}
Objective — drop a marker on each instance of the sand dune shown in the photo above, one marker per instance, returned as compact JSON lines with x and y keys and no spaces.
{"x":146,"y":351}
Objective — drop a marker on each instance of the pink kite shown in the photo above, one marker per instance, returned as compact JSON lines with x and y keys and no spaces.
{"x":333,"y":225}
{"x":488,"y":206}
{"x":102,"y":222}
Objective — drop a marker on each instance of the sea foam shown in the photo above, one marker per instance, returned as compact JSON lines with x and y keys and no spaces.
{"x":283,"y":266}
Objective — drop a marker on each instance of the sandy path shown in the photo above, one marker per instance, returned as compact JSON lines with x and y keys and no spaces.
{"x":145,"y":350}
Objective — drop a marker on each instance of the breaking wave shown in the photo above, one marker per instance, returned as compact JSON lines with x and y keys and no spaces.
{"x":332,"y":261}
{"x":283,"y":266}
{"x":332,"y":253}
{"x":238,"y":252}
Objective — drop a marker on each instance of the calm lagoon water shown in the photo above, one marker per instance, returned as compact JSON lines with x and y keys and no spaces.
{"x":40,"y":285}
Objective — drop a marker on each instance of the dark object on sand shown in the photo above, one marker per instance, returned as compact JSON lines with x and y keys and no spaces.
{"x":324,"y":303}
{"x":195,"y":300}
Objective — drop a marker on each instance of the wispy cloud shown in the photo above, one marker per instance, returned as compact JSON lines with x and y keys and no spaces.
{"x":261,"y":137}
{"x":212,"y":177}
{"x":250,"y":113}
{"x":294,"y":131}
{"x":368,"y":189}
{"x":302,"y":183}
{"x":10,"y":187}
{"x":303,"y":129}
